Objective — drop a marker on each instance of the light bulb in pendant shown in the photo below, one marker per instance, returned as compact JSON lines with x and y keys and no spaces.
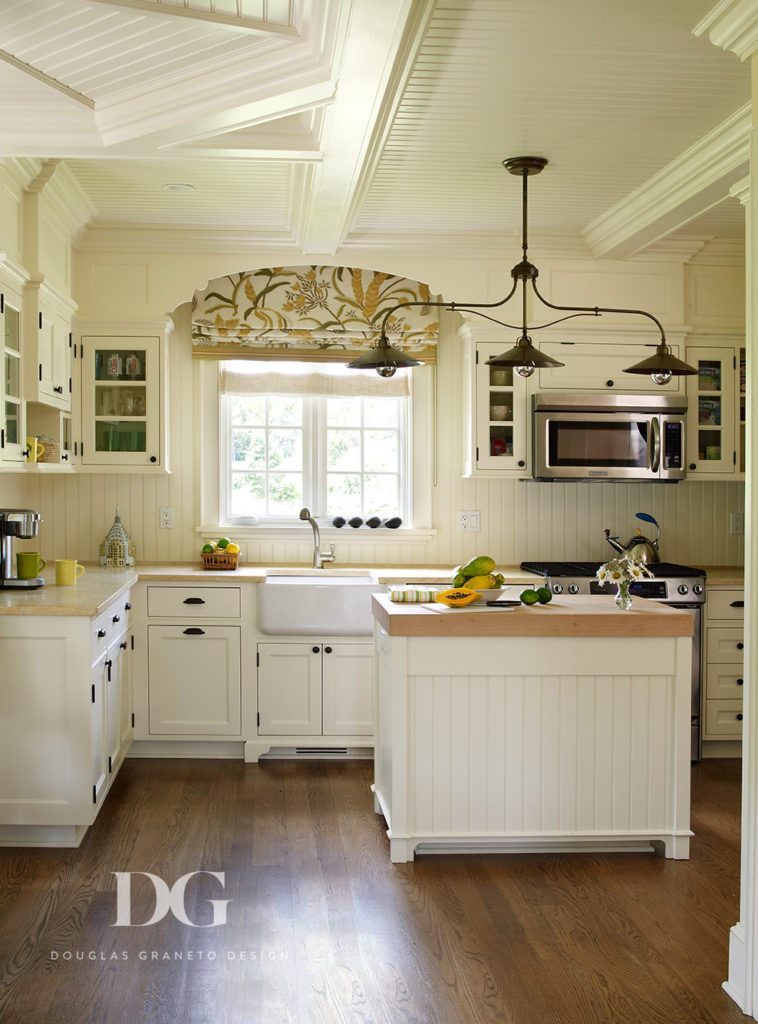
{"x":525,"y":371}
{"x":661,"y":377}
{"x":386,"y":370}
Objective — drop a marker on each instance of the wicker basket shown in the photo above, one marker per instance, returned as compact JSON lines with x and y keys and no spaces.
{"x":220,"y":560}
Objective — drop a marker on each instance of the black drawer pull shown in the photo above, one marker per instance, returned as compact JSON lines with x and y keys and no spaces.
{"x":194,"y":631}
{"x":100,"y":633}
{"x":740,"y":646}
{"x":737,"y":604}
{"x":194,"y":600}
{"x":740,"y":682}
{"x":739,"y":718}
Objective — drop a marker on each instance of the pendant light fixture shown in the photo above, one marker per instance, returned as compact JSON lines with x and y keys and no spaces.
{"x":524,"y":357}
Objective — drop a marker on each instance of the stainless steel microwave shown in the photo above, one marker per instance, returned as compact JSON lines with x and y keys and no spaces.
{"x":581,"y":436}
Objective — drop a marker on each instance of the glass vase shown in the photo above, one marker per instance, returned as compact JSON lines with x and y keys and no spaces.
{"x":623,"y":598}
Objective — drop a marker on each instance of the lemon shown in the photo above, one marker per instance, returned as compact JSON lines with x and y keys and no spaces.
{"x":223,"y":543}
{"x":208,"y":549}
{"x":232,"y":548}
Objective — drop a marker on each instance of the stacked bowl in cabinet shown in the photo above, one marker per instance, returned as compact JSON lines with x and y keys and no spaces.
{"x":724,"y":652}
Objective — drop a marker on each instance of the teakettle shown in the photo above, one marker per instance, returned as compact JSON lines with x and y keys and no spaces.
{"x":638,"y":547}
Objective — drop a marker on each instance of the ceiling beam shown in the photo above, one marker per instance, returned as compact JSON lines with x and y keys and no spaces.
{"x":53,"y":83}
{"x":237,"y":23}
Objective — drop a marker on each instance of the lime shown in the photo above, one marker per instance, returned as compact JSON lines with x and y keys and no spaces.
{"x":529,"y":596}
{"x":208,"y":549}
{"x":223,"y":543}
{"x":544,"y":594}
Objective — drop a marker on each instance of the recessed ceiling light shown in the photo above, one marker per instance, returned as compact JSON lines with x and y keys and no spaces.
{"x":179,"y":187}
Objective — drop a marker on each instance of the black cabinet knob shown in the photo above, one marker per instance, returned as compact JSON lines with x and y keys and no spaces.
{"x":58,"y":390}
{"x":153,"y":458}
{"x":740,"y":646}
{"x":327,"y":650}
{"x":127,"y":607}
{"x":101,"y":632}
{"x":739,"y":718}
{"x":316,"y":650}
{"x":693,"y":465}
{"x":123,"y":645}
{"x":521,"y":463}
{"x":609,"y":383}
{"x":117,"y":618}
{"x":740,"y":682}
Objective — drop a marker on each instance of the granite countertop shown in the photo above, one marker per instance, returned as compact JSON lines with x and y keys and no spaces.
{"x":579,"y":616}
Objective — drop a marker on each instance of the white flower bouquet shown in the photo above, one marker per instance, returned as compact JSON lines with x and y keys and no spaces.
{"x":622,"y":571}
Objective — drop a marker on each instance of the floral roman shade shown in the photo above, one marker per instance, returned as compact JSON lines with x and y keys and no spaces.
{"x":311,"y":313}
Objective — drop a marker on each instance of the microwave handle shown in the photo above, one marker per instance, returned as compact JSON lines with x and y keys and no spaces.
{"x":655,"y":446}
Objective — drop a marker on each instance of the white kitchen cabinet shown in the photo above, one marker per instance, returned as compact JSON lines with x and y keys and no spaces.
{"x":723,"y":664}
{"x":716,"y":419}
{"x":12,"y":430}
{"x":315,"y":689}
{"x":56,"y":703}
{"x":48,"y":346}
{"x":599,"y":366}
{"x":122,"y":409}
{"x":497,"y":431}
{"x":194,"y":680}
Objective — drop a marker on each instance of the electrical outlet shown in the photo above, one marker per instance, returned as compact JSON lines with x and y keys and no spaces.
{"x":469,"y":522}
{"x":736,"y":523}
{"x":166,"y":517}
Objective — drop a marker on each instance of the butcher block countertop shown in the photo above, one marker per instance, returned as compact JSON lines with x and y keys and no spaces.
{"x":580,"y":616}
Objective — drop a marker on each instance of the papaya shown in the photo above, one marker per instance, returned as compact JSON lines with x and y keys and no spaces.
{"x":481,"y":582}
{"x":458,"y":597}
{"x":482,"y":565}
{"x":458,"y":578}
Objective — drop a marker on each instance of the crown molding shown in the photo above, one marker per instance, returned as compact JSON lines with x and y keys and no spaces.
{"x":677,"y":248}
{"x":732,"y":25}
{"x":19,"y":172}
{"x":741,"y":190}
{"x":721,"y":252}
{"x":158,"y":238}
{"x":696,"y":181}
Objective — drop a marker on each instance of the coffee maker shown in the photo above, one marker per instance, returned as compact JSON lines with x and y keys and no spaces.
{"x":16,"y":522}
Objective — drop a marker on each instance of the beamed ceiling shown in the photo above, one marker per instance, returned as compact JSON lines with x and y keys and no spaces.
{"x":319,"y":125}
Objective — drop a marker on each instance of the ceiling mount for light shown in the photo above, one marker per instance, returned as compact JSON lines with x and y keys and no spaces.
{"x":524,"y":357}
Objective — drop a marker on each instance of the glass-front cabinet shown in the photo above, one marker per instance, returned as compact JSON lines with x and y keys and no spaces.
{"x":712,"y":414}
{"x":499,"y":441}
{"x":12,"y":440}
{"x":120,"y":401}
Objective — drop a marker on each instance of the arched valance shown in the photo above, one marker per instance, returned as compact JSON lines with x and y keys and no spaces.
{"x":310,"y":313}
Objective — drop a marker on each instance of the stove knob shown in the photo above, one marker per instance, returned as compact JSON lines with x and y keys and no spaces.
{"x":557,"y":588}
{"x":683,"y":588}
{"x":698,"y":588}
{"x":573,"y":588}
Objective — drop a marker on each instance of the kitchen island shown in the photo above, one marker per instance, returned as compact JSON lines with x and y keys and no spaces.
{"x":557,"y":727}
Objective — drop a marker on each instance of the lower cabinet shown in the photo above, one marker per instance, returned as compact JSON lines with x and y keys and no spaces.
{"x":194,"y":680}
{"x":723,"y":664}
{"x":315,"y":689}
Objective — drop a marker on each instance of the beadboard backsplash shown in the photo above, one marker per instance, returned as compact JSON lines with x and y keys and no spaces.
{"x":519,"y":519}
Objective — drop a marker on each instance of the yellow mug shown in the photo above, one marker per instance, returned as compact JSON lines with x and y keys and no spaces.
{"x":67,"y":572}
{"x":29,"y":564}
{"x":34,"y":449}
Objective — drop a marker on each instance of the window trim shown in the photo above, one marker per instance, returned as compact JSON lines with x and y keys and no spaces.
{"x":419,"y":466}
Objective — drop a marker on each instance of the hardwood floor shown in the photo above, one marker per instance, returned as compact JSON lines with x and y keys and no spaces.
{"x":323,"y":928}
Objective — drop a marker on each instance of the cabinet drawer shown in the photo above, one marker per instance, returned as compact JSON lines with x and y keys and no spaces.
{"x":724,"y":681}
{"x":723,"y":718}
{"x":108,"y":625}
{"x":194,"y":602}
{"x":725,"y":604}
{"x":724,"y":644}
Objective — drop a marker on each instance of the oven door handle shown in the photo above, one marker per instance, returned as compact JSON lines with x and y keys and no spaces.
{"x":655,"y":445}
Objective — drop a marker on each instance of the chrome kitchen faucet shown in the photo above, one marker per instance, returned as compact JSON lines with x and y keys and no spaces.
{"x":319,"y":556}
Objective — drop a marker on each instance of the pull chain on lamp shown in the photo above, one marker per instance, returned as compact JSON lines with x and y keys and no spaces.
{"x":524,"y":357}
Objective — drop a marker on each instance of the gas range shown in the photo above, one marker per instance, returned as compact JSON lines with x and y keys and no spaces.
{"x":672,"y":584}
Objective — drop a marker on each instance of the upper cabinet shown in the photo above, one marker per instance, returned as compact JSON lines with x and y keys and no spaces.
{"x":497,"y":430}
{"x":122,"y":410}
{"x":12,"y":440}
{"x":716,"y":415}
{"x":599,"y":366}
{"x":48,"y":347}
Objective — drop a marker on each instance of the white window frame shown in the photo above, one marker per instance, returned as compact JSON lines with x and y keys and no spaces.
{"x":420,"y":467}
{"x":314,"y":427}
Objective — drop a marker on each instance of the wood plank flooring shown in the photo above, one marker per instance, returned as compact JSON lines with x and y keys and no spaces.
{"x":323,"y":929}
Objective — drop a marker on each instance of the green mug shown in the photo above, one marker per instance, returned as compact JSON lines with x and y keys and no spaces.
{"x":29,"y":564}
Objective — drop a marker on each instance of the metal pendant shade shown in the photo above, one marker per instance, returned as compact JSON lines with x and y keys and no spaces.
{"x":384,"y":358}
{"x":524,"y":357}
